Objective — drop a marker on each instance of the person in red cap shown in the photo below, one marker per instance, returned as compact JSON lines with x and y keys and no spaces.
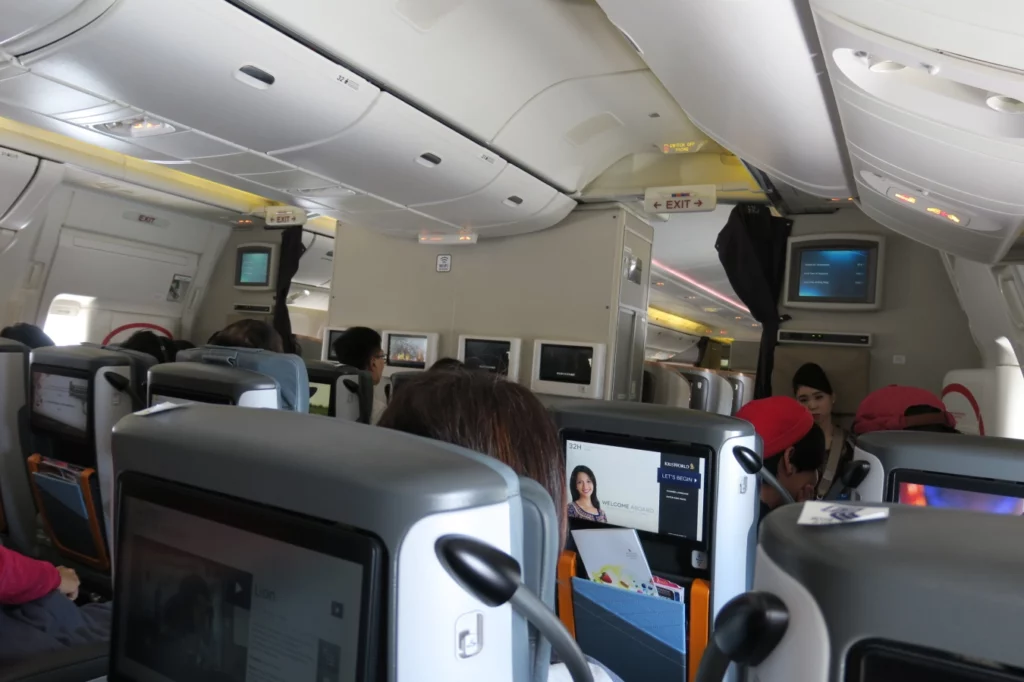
{"x":794,"y":447}
{"x":902,"y":408}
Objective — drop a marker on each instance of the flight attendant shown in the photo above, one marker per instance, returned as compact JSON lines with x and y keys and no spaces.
{"x":814,"y":391}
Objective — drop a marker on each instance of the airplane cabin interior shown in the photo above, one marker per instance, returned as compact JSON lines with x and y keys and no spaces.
{"x":253,"y":253}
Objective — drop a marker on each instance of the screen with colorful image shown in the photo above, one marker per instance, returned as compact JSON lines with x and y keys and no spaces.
{"x":489,"y":355}
{"x":407,"y":351}
{"x":622,"y":482}
{"x":566,"y":364}
{"x":922,"y":489}
{"x":63,"y":399}
{"x":320,"y":399}
{"x":842,"y":274}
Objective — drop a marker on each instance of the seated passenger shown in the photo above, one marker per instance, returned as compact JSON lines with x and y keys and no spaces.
{"x":814,"y":391}
{"x":360,"y":347}
{"x":249,"y":334}
{"x":447,"y":363}
{"x":145,"y":341}
{"x":483,"y":412}
{"x":28,"y":334}
{"x":903,"y":408}
{"x":794,"y":447}
{"x":39,"y":614}
{"x":182,"y":344}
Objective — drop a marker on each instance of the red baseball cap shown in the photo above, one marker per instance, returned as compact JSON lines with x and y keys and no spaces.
{"x":886,"y":410}
{"x":780,"y":421}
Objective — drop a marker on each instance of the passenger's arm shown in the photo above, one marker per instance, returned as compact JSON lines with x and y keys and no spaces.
{"x":23,"y":579}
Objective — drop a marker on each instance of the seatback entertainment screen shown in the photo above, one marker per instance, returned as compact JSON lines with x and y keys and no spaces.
{"x":566,"y":364}
{"x":488,"y":355}
{"x":650,"y":486}
{"x":926,"y":489}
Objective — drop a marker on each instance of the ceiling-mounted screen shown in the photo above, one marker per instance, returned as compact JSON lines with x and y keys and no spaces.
{"x":834,"y":272}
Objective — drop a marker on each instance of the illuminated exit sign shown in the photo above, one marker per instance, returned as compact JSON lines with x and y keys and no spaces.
{"x":684,"y":199}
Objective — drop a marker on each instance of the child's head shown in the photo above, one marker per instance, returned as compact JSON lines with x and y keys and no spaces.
{"x":794,"y":446}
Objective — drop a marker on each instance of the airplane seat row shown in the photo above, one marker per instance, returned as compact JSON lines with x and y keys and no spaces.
{"x":289,"y":371}
{"x":708,"y":390}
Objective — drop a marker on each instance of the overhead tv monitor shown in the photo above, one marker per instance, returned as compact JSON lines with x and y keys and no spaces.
{"x":499,"y":355}
{"x":406,"y":351}
{"x":258,"y":575}
{"x":568,"y":368}
{"x":835,"y":272}
{"x":928,"y":489}
{"x":655,"y":487}
{"x":331,"y":335}
{"x":255,"y":266}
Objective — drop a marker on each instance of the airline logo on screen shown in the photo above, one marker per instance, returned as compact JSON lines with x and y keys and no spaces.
{"x":679,"y":473}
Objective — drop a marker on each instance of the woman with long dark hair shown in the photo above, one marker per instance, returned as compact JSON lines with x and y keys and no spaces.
{"x":583,"y":488}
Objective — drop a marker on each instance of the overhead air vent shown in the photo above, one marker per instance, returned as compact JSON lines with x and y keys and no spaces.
{"x":514,"y":201}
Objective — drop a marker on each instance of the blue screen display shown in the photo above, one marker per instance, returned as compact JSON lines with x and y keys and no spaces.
{"x":255,"y":268}
{"x":835,"y":274}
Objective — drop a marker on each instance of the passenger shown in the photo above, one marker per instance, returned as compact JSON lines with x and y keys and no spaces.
{"x":794,"y":447}
{"x":145,"y":341}
{"x":39,"y":614}
{"x":814,"y":391}
{"x":483,"y":412}
{"x":585,"y":504}
{"x":249,"y":334}
{"x":360,"y":347}
{"x":903,"y":408}
{"x":28,"y":334}
{"x":182,"y":344}
{"x":447,"y":364}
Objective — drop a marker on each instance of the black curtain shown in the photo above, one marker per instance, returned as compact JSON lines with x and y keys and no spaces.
{"x":752,"y":249}
{"x":287,"y":266}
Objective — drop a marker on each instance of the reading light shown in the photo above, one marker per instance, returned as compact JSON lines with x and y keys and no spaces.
{"x":1005,"y":105}
{"x":137,"y":127}
{"x":461,"y":238}
{"x":659,"y":284}
{"x":906,"y":197}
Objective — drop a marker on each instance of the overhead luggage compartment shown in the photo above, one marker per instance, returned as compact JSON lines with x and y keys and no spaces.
{"x":400,"y":153}
{"x":748,"y":73}
{"x":30,"y":24}
{"x":935,"y":134}
{"x":209,"y":66}
{"x":203,"y":81}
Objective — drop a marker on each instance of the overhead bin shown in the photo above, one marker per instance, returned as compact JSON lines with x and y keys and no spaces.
{"x":513,"y":196}
{"x":576,"y":130}
{"x":31,"y":24}
{"x":748,"y":73}
{"x":936,"y":139}
{"x":400,"y":153}
{"x":557,"y":209}
{"x":209,"y":66}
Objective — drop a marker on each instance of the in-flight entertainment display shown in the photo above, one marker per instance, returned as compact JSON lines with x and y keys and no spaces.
{"x":566,"y":364}
{"x":488,"y":354}
{"x":254,"y":268}
{"x":622,"y":482}
{"x":228,"y":599}
{"x":953,"y":498}
{"x":63,"y":399}
{"x":319,"y":399}
{"x":835,"y":274}
{"x":407,"y":351}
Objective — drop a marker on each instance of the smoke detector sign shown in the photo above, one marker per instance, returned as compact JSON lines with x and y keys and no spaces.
{"x":684,"y":199}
